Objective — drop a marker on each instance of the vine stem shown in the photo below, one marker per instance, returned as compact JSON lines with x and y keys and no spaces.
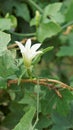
{"x":36,"y":6}
{"x":66,"y":25}
{"x":23,"y":34}
{"x":37,"y":107}
{"x":29,"y":73}
{"x":34,"y":34}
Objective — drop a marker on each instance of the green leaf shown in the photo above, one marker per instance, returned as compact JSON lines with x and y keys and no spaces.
{"x":44,"y":122}
{"x":12,"y":19}
{"x":28,"y":99}
{"x":16,"y":112}
{"x":56,"y":127}
{"x":60,"y":120}
{"x":62,"y":105}
{"x":52,"y":9}
{"x":53,"y":12}
{"x":5,"y":24}
{"x":58,"y":17}
{"x":6,"y":6}
{"x":65,"y":51}
{"x":47,"y":106}
{"x":7,"y":65}
{"x":63,"y":122}
{"x":26,"y":121}
{"x":69,"y":11}
{"x":22,"y":11}
{"x":47,"y":30}
{"x":3,"y":83}
{"x":4,"y":40}
{"x":9,"y":60}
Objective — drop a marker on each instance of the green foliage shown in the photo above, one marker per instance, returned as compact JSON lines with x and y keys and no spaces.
{"x":52,"y":8}
{"x":63,"y":105}
{"x":7,"y":68}
{"x":7,"y":65}
{"x":21,"y":102}
{"x":53,"y":12}
{"x":44,"y":122}
{"x":66,"y":51}
{"x":4,"y":40}
{"x":69,"y":10}
{"x":48,"y":22}
{"x":5,"y":24}
{"x":13,"y":20}
{"x":46,"y":30}
{"x":21,"y":10}
{"x":26,"y":120}
{"x":3,"y":83}
{"x":16,"y":112}
{"x":63,"y":122}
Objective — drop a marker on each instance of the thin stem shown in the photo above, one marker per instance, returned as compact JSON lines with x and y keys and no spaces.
{"x":29,"y":73}
{"x":68,"y":24}
{"x":23,"y":34}
{"x":37,"y":109}
{"x":36,"y":6}
{"x":38,"y":88}
{"x":23,"y":42}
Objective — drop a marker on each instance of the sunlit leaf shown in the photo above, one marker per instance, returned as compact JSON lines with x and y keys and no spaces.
{"x":5,"y":24}
{"x":7,"y":65}
{"x":52,"y":9}
{"x":4,"y":40}
{"x":47,"y":30}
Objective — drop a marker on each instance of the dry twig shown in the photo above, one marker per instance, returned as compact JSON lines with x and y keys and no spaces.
{"x":23,"y":42}
{"x":50,"y":83}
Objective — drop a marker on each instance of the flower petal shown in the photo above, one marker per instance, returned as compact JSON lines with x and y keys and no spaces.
{"x":35,"y":47}
{"x":33,"y":54}
{"x":39,"y":52}
{"x":29,"y":52}
{"x":22,"y":48}
{"x":28,"y":44}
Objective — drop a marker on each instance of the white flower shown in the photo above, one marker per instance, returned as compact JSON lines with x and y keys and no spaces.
{"x":29,"y":52}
